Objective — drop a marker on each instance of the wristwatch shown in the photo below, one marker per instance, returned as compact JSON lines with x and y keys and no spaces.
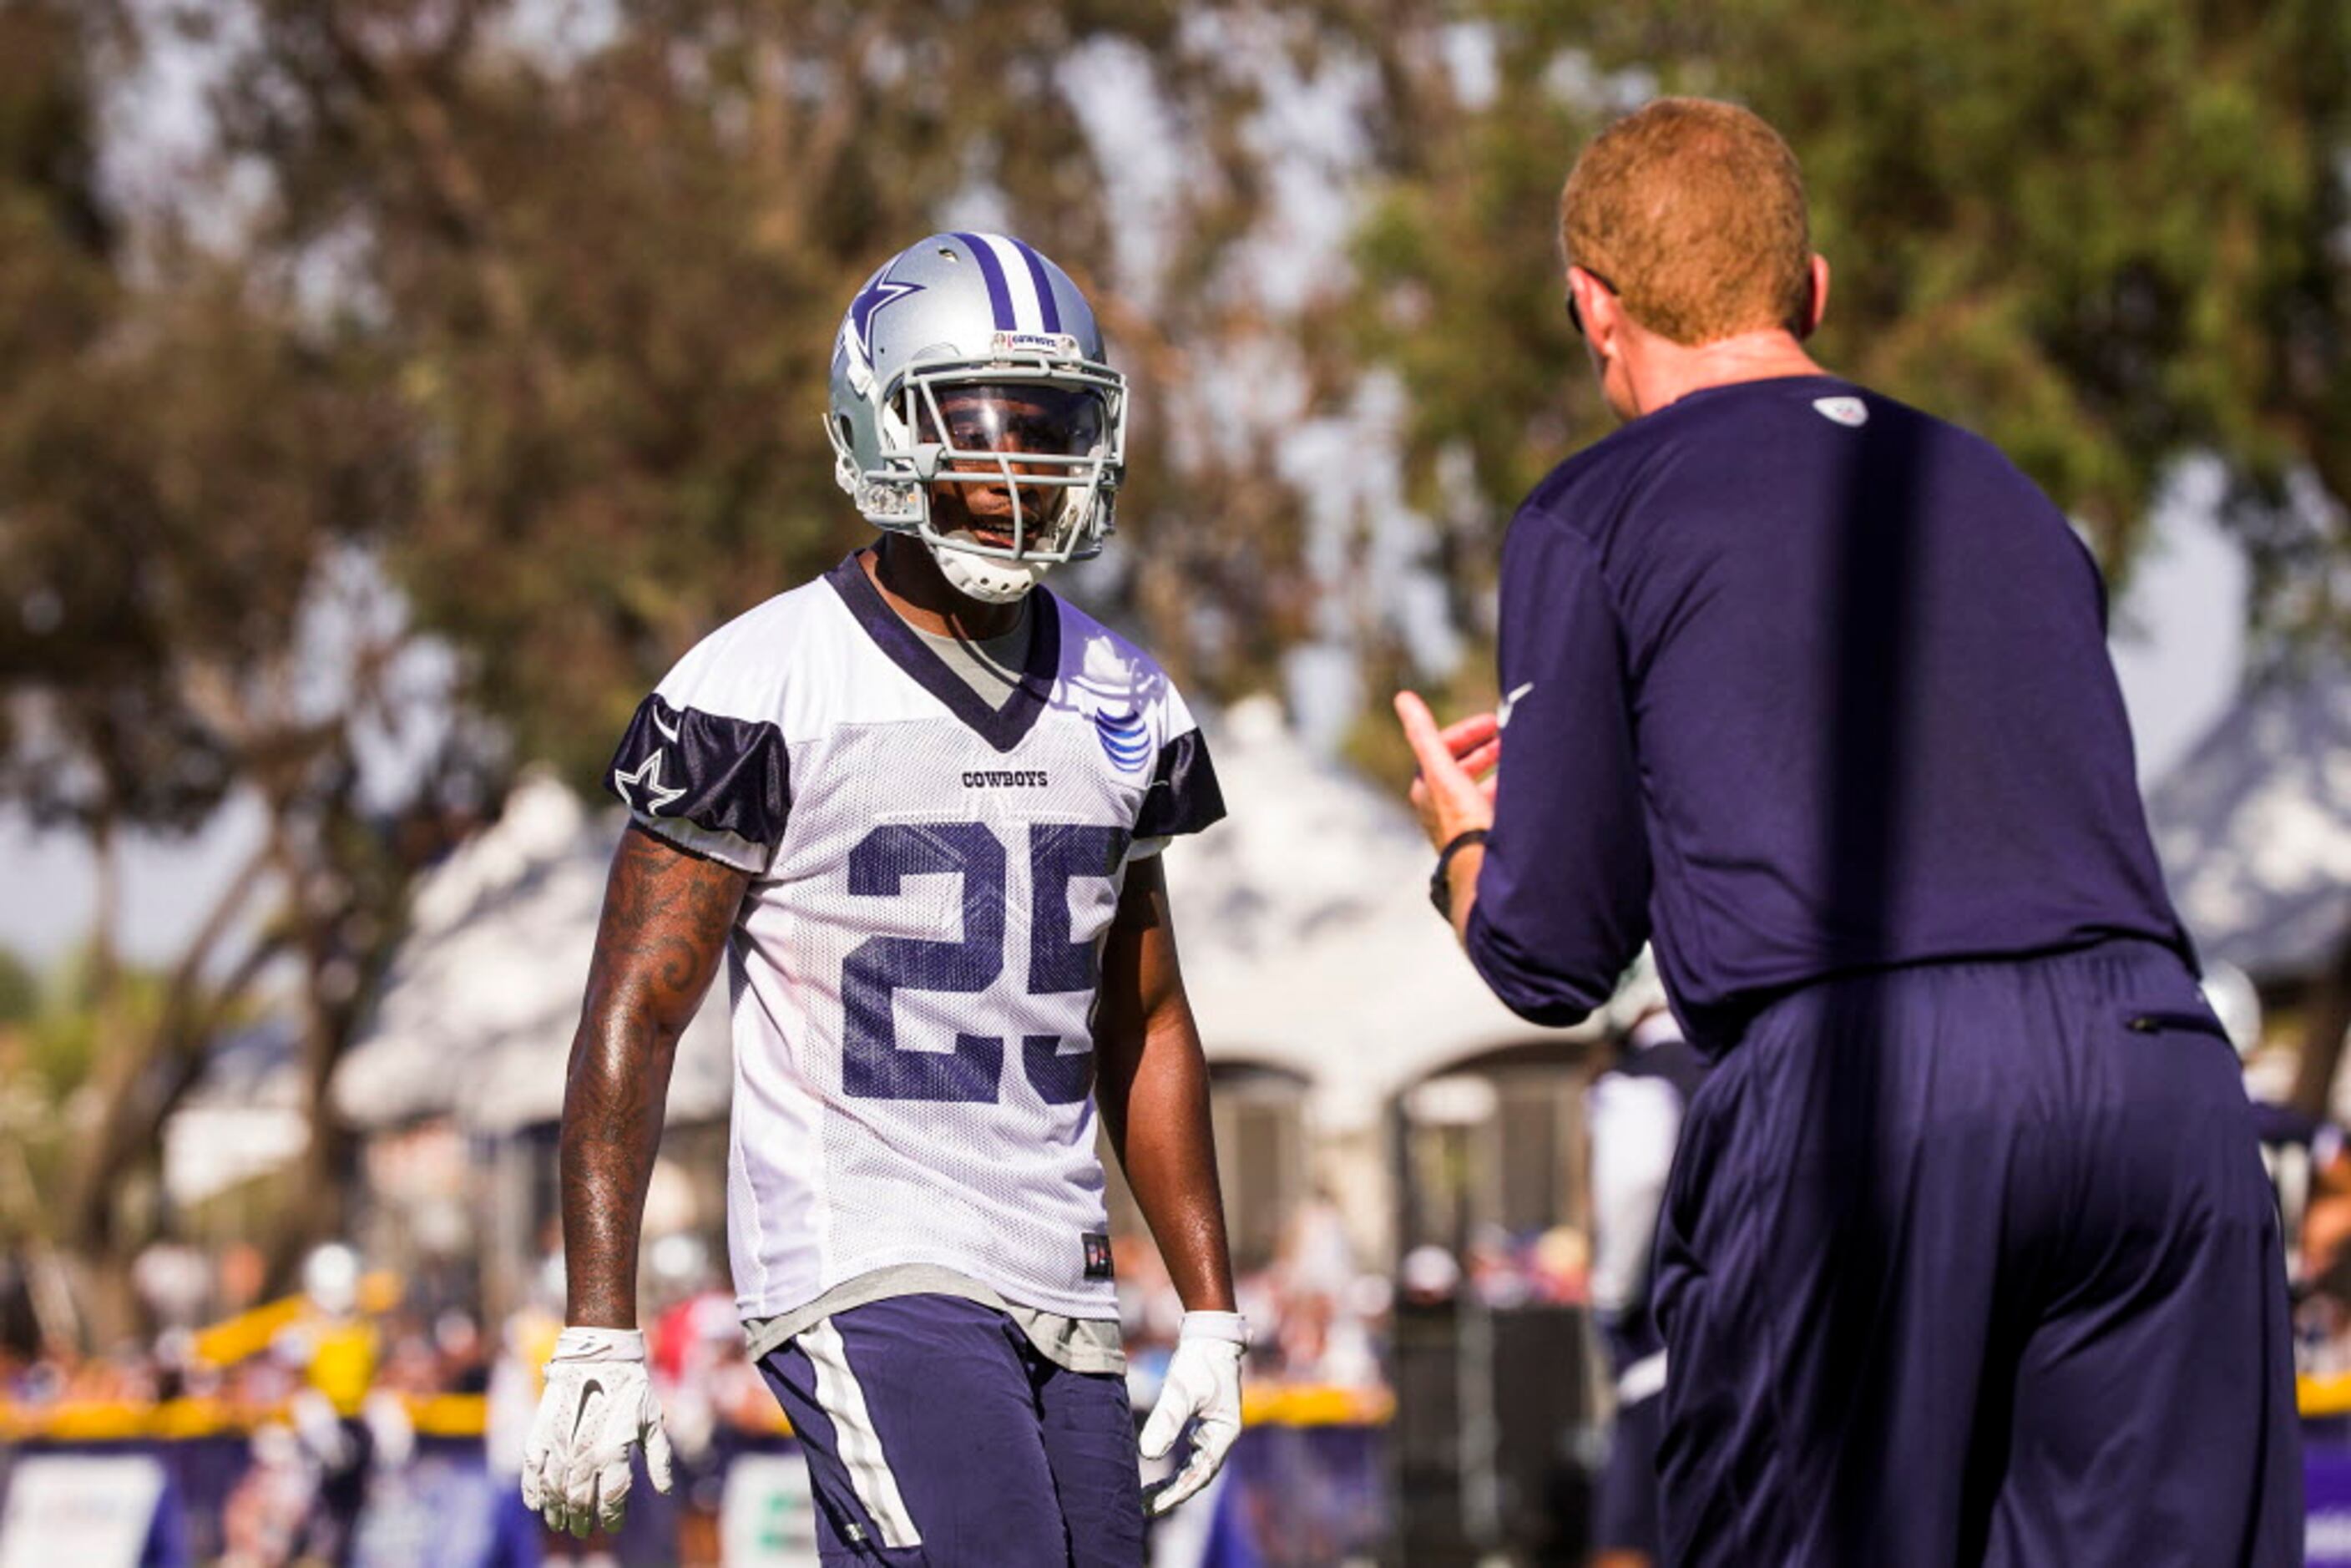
{"x":1440,"y":891}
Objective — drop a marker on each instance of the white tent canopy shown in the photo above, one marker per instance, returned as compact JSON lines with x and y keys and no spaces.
{"x":1306,"y":935}
{"x":1303,"y":920}
{"x":2254,"y":826}
{"x":476,"y":1015}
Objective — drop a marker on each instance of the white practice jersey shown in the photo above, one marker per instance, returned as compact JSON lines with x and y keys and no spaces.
{"x":915,"y":970}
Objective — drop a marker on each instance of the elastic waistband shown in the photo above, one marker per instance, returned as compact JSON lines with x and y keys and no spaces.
{"x":2117,"y":963}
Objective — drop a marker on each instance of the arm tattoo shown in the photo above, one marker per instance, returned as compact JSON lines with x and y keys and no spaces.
{"x":665,"y":926}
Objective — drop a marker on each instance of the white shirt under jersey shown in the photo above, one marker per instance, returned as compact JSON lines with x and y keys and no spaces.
{"x":914,"y":973}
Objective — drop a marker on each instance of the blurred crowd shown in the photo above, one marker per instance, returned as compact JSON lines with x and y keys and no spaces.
{"x":1317,"y":1316}
{"x":336,"y":1391}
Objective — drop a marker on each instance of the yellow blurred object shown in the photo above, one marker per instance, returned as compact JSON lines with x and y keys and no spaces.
{"x":250,"y":1332}
{"x":467,"y":1415}
{"x":191,"y":1418}
{"x":343,"y":1363}
{"x":2327,"y":1395}
{"x":98,"y":1421}
{"x":1314,"y":1405}
{"x":449,"y":1415}
{"x":381,"y":1292}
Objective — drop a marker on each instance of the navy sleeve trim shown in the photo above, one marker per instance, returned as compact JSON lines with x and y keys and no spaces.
{"x":728,"y":774}
{"x":1183,"y":796}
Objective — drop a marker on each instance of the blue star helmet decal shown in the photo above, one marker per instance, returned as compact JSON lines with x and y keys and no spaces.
{"x":881,"y":291}
{"x":1123,"y":739}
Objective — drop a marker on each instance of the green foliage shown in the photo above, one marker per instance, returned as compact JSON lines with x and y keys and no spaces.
{"x":20,"y":990}
{"x":178,"y":457}
{"x":51,"y":1028}
{"x":2105,"y":235}
{"x":611,"y":281}
{"x":61,"y":1034}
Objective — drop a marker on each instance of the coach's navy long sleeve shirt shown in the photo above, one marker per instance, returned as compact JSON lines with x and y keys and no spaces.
{"x":1803,"y":681}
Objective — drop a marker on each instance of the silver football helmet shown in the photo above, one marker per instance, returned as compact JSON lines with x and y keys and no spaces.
{"x":970,"y":360}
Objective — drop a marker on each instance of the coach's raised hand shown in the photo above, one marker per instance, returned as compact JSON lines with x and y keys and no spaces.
{"x":1455,"y":805}
{"x":1449,"y":797}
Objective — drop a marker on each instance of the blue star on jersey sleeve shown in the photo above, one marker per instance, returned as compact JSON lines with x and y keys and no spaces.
{"x":678,"y":769}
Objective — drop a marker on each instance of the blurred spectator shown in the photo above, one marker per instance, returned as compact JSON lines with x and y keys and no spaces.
{"x":2310,"y":1169}
{"x":464,"y":1368}
{"x":1428,"y":1276}
{"x":267,"y":1512}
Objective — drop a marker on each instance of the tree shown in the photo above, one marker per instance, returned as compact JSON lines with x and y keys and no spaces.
{"x":191,"y":459}
{"x":539,"y":322}
{"x":2108,"y":240}
{"x":610,"y":267}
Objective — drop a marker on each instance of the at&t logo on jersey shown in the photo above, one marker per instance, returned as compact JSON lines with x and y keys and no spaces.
{"x":1123,"y":739}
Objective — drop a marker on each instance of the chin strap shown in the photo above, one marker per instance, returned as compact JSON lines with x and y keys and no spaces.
{"x":985,"y":578}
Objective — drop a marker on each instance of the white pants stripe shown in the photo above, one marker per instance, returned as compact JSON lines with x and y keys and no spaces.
{"x":860,"y":1445}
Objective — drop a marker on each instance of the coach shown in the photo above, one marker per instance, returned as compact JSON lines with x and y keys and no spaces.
{"x":1967,"y":1255}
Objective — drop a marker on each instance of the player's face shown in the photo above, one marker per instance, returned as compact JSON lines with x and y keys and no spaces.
{"x":975,"y":495}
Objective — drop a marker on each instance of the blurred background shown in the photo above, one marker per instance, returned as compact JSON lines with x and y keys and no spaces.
{"x":391,"y":390}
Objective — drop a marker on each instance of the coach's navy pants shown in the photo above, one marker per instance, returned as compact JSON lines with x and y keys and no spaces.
{"x":937,"y":1435}
{"x":1976,"y":1263}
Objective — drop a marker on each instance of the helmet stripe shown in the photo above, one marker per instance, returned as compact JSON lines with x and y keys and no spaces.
{"x":1028,"y":310}
{"x":1044,"y":283}
{"x":999,"y":287}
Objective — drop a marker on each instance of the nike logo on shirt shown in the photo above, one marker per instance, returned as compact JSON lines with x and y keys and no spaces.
{"x":1502,"y":714}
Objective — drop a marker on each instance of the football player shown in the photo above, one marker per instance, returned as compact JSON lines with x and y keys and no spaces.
{"x":917,"y":806}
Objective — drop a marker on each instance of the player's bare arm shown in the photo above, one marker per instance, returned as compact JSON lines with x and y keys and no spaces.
{"x":1153,"y":1092}
{"x":664,"y":926}
{"x":659,"y":941}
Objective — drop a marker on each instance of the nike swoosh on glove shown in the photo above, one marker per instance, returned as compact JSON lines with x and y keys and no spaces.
{"x":598,"y":1406}
{"x":1203,"y":1386}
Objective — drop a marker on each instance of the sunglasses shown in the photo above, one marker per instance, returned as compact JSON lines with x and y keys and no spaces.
{"x":1575,"y":317}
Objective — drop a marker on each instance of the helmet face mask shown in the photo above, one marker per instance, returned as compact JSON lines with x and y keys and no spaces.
{"x":999,"y":446}
{"x":1023,"y":461}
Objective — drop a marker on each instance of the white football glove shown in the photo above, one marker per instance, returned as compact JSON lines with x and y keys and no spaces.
{"x":599,"y":1405}
{"x":1203,"y":1381}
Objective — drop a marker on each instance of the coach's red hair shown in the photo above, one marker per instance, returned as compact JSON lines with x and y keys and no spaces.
{"x":1693,"y":211}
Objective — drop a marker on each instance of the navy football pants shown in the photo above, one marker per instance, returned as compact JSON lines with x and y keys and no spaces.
{"x":936,"y":1435}
{"x":1976,"y":1263}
